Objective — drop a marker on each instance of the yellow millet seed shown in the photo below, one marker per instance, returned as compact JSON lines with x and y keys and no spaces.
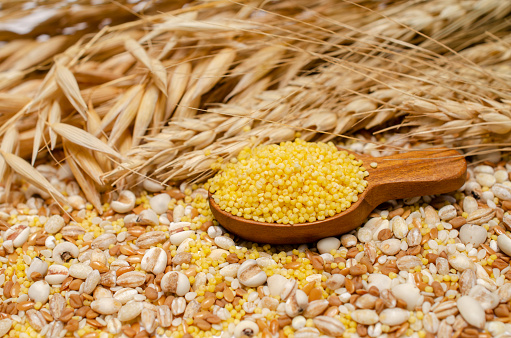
{"x":294,"y":182}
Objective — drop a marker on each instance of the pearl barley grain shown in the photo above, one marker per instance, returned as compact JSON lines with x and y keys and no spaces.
{"x":39,"y":292}
{"x":471,"y":311}
{"x":54,"y":224}
{"x":250,"y":274}
{"x":328,"y":244}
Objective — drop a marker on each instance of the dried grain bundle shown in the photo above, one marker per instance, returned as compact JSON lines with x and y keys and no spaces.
{"x":353,"y":110}
{"x":178,"y":92}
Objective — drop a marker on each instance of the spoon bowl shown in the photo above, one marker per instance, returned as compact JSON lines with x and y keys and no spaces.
{"x":415,"y":173}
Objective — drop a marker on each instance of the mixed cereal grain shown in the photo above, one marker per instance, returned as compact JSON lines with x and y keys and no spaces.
{"x":413,"y":269}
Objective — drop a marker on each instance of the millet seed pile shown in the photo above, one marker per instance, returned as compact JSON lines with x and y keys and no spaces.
{"x":294,"y":182}
{"x":155,"y":264}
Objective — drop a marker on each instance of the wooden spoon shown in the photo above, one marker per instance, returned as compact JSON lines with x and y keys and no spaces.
{"x":415,"y":173}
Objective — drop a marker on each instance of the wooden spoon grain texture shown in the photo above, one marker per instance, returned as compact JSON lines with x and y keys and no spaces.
{"x":415,"y":173}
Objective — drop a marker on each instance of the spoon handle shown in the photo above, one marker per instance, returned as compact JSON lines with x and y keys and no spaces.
{"x":415,"y":173}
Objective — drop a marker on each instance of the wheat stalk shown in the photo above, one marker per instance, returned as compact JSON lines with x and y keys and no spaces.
{"x":174,"y":94}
